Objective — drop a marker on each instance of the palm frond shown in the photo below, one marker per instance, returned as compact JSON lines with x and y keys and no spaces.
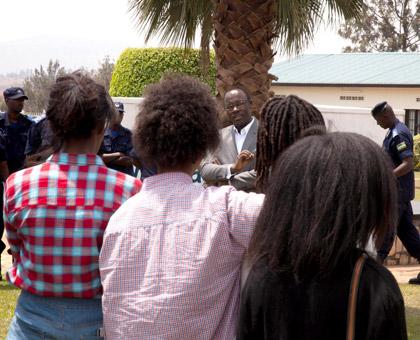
{"x":174,"y":21}
{"x":298,"y":20}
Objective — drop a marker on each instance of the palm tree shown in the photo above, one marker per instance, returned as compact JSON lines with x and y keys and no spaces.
{"x":245,"y":32}
{"x":177,"y":21}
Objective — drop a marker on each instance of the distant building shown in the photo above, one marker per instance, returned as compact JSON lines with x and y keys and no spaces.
{"x":355,"y":80}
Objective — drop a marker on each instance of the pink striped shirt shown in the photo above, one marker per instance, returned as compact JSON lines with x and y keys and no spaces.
{"x":171,"y":258}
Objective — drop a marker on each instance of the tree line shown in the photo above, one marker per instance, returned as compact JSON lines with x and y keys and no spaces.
{"x":37,"y":84}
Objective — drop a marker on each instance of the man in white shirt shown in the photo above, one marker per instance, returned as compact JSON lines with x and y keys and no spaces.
{"x":234,"y":160}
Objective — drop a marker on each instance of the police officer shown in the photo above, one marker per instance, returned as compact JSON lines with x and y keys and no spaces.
{"x":398,"y":143}
{"x":117,"y":148}
{"x":14,"y":128}
{"x":39,"y":145}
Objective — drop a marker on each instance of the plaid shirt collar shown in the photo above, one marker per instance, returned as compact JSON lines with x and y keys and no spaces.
{"x":76,"y":159}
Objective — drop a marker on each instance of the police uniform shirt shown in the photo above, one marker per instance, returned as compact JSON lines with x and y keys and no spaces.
{"x":40,"y":137}
{"x":398,"y":144}
{"x":15,"y":136}
{"x":3,"y":156}
{"x":118,"y":140}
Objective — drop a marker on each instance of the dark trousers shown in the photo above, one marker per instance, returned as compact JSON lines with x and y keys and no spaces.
{"x":406,"y":231}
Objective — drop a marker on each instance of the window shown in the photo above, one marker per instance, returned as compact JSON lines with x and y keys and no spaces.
{"x":412,"y":120}
{"x":352,"y":98}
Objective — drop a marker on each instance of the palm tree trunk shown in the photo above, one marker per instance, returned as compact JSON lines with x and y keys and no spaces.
{"x":243,"y":45}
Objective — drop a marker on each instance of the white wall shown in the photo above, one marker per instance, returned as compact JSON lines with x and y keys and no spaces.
{"x":337,"y":118}
{"x":354,"y":119}
{"x":131,"y":107}
{"x":398,"y":98}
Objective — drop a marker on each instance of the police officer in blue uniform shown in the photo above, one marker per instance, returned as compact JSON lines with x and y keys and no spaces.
{"x":40,"y":143}
{"x":117,"y":147}
{"x":398,"y":143}
{"x":14,"y":128}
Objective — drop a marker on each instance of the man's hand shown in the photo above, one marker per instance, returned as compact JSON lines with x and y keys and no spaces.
{"x":243,"y":159}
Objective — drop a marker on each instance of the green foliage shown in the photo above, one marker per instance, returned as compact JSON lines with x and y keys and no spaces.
{"x":385,"y":26}
{"x":138,"y":67}
{"x":416,"y":148}
{"x":37,"y":86}
{"x":103,"y":74}
{"x":3,"y":106}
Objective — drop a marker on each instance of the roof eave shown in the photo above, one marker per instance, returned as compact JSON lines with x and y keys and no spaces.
{"x":345,"y":85}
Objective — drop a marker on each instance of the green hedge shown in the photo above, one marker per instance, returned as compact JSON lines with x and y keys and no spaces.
{"x":138,"y":67}
{"x":416,"y":152}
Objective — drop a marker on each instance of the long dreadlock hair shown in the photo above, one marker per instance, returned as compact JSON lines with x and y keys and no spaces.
{"x":283,"y":120}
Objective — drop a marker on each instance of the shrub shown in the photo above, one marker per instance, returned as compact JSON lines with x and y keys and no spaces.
{"x":416,"y":149}
{"x":138,"y":67}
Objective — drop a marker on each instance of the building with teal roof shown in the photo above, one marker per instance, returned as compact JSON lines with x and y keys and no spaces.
{"x":354,"y":80}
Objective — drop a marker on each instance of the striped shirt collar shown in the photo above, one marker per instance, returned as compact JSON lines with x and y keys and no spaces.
{"x":76,"y":159}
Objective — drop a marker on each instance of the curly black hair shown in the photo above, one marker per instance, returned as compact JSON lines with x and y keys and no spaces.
{"x":177,"y":122}
{"x":77,"y":106}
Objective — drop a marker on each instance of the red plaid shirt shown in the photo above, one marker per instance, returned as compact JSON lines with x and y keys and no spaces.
{"x":55,"y":216}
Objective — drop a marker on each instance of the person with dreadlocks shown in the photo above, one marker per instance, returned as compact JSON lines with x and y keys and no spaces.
{"x":283,"y":120}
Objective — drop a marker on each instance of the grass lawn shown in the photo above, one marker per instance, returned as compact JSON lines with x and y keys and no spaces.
{"x":412,"y":307}
{"x":8,"y":296}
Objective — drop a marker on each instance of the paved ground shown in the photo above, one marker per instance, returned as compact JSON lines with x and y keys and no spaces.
{"x":404,"y":273}
{"x":416,"y":207}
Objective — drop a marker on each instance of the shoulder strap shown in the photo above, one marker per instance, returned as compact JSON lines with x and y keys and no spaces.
{"x":354,"y":287}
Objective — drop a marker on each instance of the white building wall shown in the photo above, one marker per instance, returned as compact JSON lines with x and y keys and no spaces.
{"x":398,"y":98}
{"x":337,"y":117}
{"x":131,"y":107}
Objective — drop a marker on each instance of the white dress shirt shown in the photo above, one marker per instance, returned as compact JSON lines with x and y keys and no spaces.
{"x":241,"y":136}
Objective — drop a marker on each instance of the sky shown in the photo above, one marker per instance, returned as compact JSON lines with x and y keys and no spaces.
{"x":82,"y":32}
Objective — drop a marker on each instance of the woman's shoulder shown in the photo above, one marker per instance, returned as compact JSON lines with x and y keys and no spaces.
{"x":378,"y":278}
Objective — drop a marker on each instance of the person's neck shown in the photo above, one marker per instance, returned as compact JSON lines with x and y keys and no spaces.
{"x":240,"y":127}
{"x":13,"y":116}
{"x":393,"y":122}
{"x":188,"y":168}
{"x":80,"y":146}
{"x":115,"y":127}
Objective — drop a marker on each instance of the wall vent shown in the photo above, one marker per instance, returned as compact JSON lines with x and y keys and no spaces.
{"x":352,"y":98}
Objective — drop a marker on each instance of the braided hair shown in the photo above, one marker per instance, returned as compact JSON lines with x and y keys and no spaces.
{"x":283,"y":120}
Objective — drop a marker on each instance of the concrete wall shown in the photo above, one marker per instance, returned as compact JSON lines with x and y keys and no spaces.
{"x":398,"y":98}
{"x":131,"y":107}
{"x":337,"y":118}
{"x":354,"y":119}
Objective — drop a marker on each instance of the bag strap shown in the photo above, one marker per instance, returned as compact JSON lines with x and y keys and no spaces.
{"x":354,"y":287}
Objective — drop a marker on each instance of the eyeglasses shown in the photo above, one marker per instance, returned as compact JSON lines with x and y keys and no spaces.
{"x":239,"y":105}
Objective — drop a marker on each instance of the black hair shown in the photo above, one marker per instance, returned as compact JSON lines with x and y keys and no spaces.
{"x":379,"y":108}
{"x":78,"y":106}
{"x":328,"y":194}
{"x":177,"y":122}
{"x":283,"y":120}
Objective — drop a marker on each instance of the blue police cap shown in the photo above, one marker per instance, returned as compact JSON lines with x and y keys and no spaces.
{"x":379,"y":108}
{"x":14,"y":93}
{"x":119,"y":106}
